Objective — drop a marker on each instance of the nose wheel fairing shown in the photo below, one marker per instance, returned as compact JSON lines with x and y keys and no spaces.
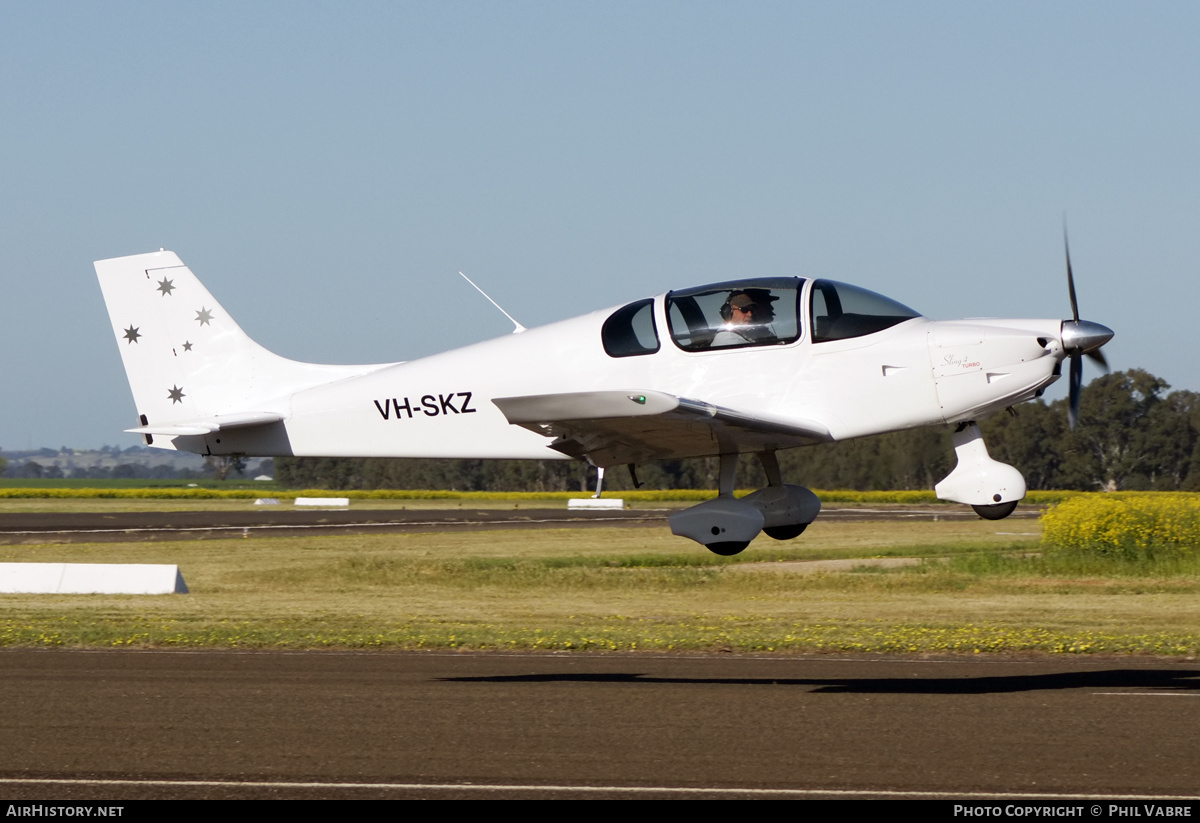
{"x":978,"y":480}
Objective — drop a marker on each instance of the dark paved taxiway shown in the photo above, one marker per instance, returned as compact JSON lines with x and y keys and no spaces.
{"x":93,"y":527}
{"x":128,"y":725}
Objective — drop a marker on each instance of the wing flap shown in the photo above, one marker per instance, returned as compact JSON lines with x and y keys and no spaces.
{"x":613,"y":427}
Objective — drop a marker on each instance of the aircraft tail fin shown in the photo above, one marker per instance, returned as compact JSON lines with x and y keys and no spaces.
{"x":189,"y":365}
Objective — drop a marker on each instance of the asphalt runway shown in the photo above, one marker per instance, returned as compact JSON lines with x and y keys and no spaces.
{"x":127,"y":725}
{"x":99,"y":527}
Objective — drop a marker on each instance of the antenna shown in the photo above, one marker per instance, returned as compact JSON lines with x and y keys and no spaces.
{"x":519,"y":328}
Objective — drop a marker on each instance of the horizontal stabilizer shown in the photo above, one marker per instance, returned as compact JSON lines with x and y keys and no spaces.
{"x":216,"y":423}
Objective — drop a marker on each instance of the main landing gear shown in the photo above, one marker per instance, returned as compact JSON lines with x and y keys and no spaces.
{"x":727,"y":524}
{"x":988,"y":486}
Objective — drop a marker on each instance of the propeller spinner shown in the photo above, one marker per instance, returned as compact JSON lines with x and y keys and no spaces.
{"x":1079,"y":338}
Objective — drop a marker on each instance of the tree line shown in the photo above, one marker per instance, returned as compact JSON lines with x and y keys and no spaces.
{"x":1132,"y":434}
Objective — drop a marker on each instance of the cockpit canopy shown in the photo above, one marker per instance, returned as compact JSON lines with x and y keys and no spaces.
{"x":762,"y":311}
{"x":759,"y":312}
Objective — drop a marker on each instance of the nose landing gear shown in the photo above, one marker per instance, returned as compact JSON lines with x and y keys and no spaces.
{"x":990,"y":487}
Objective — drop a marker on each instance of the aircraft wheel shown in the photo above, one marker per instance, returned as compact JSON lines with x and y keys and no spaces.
{"x":728,"y":549}
{"x":785,"y":532}
{"x":999,"y":511}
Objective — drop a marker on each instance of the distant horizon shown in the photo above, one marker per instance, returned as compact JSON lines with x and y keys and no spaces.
{"x":5,"y":452}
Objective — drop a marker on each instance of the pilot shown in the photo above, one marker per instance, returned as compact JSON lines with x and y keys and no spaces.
{"x":748,"y":315}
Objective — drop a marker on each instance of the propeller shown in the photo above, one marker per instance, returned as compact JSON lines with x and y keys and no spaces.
{"x":1079,"y":338}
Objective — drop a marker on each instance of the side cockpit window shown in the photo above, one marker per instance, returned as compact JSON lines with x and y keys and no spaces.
{"x":759,"y":312}
{"x":630,"y":330}
{"x":841,"y":311}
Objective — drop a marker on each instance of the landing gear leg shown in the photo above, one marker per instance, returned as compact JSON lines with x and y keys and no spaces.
{"x":728,"y":475}
{"x":770,"y":464}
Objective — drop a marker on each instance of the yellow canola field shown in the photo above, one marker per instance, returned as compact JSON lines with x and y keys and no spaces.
{"x":1129,"y":525}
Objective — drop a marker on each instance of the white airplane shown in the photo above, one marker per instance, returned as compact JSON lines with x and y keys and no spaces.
{"x":753,"y":365}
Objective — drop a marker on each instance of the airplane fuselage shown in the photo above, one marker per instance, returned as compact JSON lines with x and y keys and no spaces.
{"x":916,"y":373}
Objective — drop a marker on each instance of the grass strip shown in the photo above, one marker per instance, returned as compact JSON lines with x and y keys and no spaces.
{"x":980,"y":589}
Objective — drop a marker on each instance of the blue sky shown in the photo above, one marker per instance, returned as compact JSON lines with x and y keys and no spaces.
{"x":327,"y":169}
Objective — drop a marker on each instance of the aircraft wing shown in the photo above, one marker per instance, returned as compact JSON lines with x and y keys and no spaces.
{"x":612,"y":427}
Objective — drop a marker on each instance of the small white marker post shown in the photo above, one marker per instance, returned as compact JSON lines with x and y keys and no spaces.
{"x":596,"y":501}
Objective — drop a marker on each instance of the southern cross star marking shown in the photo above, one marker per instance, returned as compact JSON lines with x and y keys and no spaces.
{"x":187,"y":345}
{"x":175,"y":395}
{"x":131,"y":334}
{"x":166,"y":287}
{"x":204,"y":316}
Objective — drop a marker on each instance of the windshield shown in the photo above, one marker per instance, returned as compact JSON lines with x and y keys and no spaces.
{"x":841,"y":311}
{"x":759,"y":312}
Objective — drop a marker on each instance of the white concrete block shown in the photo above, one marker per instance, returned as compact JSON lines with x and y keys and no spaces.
{"x":595,"y":503}
{"x":327,"y":502}
{"x":91,"y":578}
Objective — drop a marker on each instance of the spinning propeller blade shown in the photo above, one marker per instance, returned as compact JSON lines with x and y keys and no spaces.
{"x":1080,"y":337}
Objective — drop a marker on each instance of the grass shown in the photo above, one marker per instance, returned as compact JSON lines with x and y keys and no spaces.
{"x":980,"y":588}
